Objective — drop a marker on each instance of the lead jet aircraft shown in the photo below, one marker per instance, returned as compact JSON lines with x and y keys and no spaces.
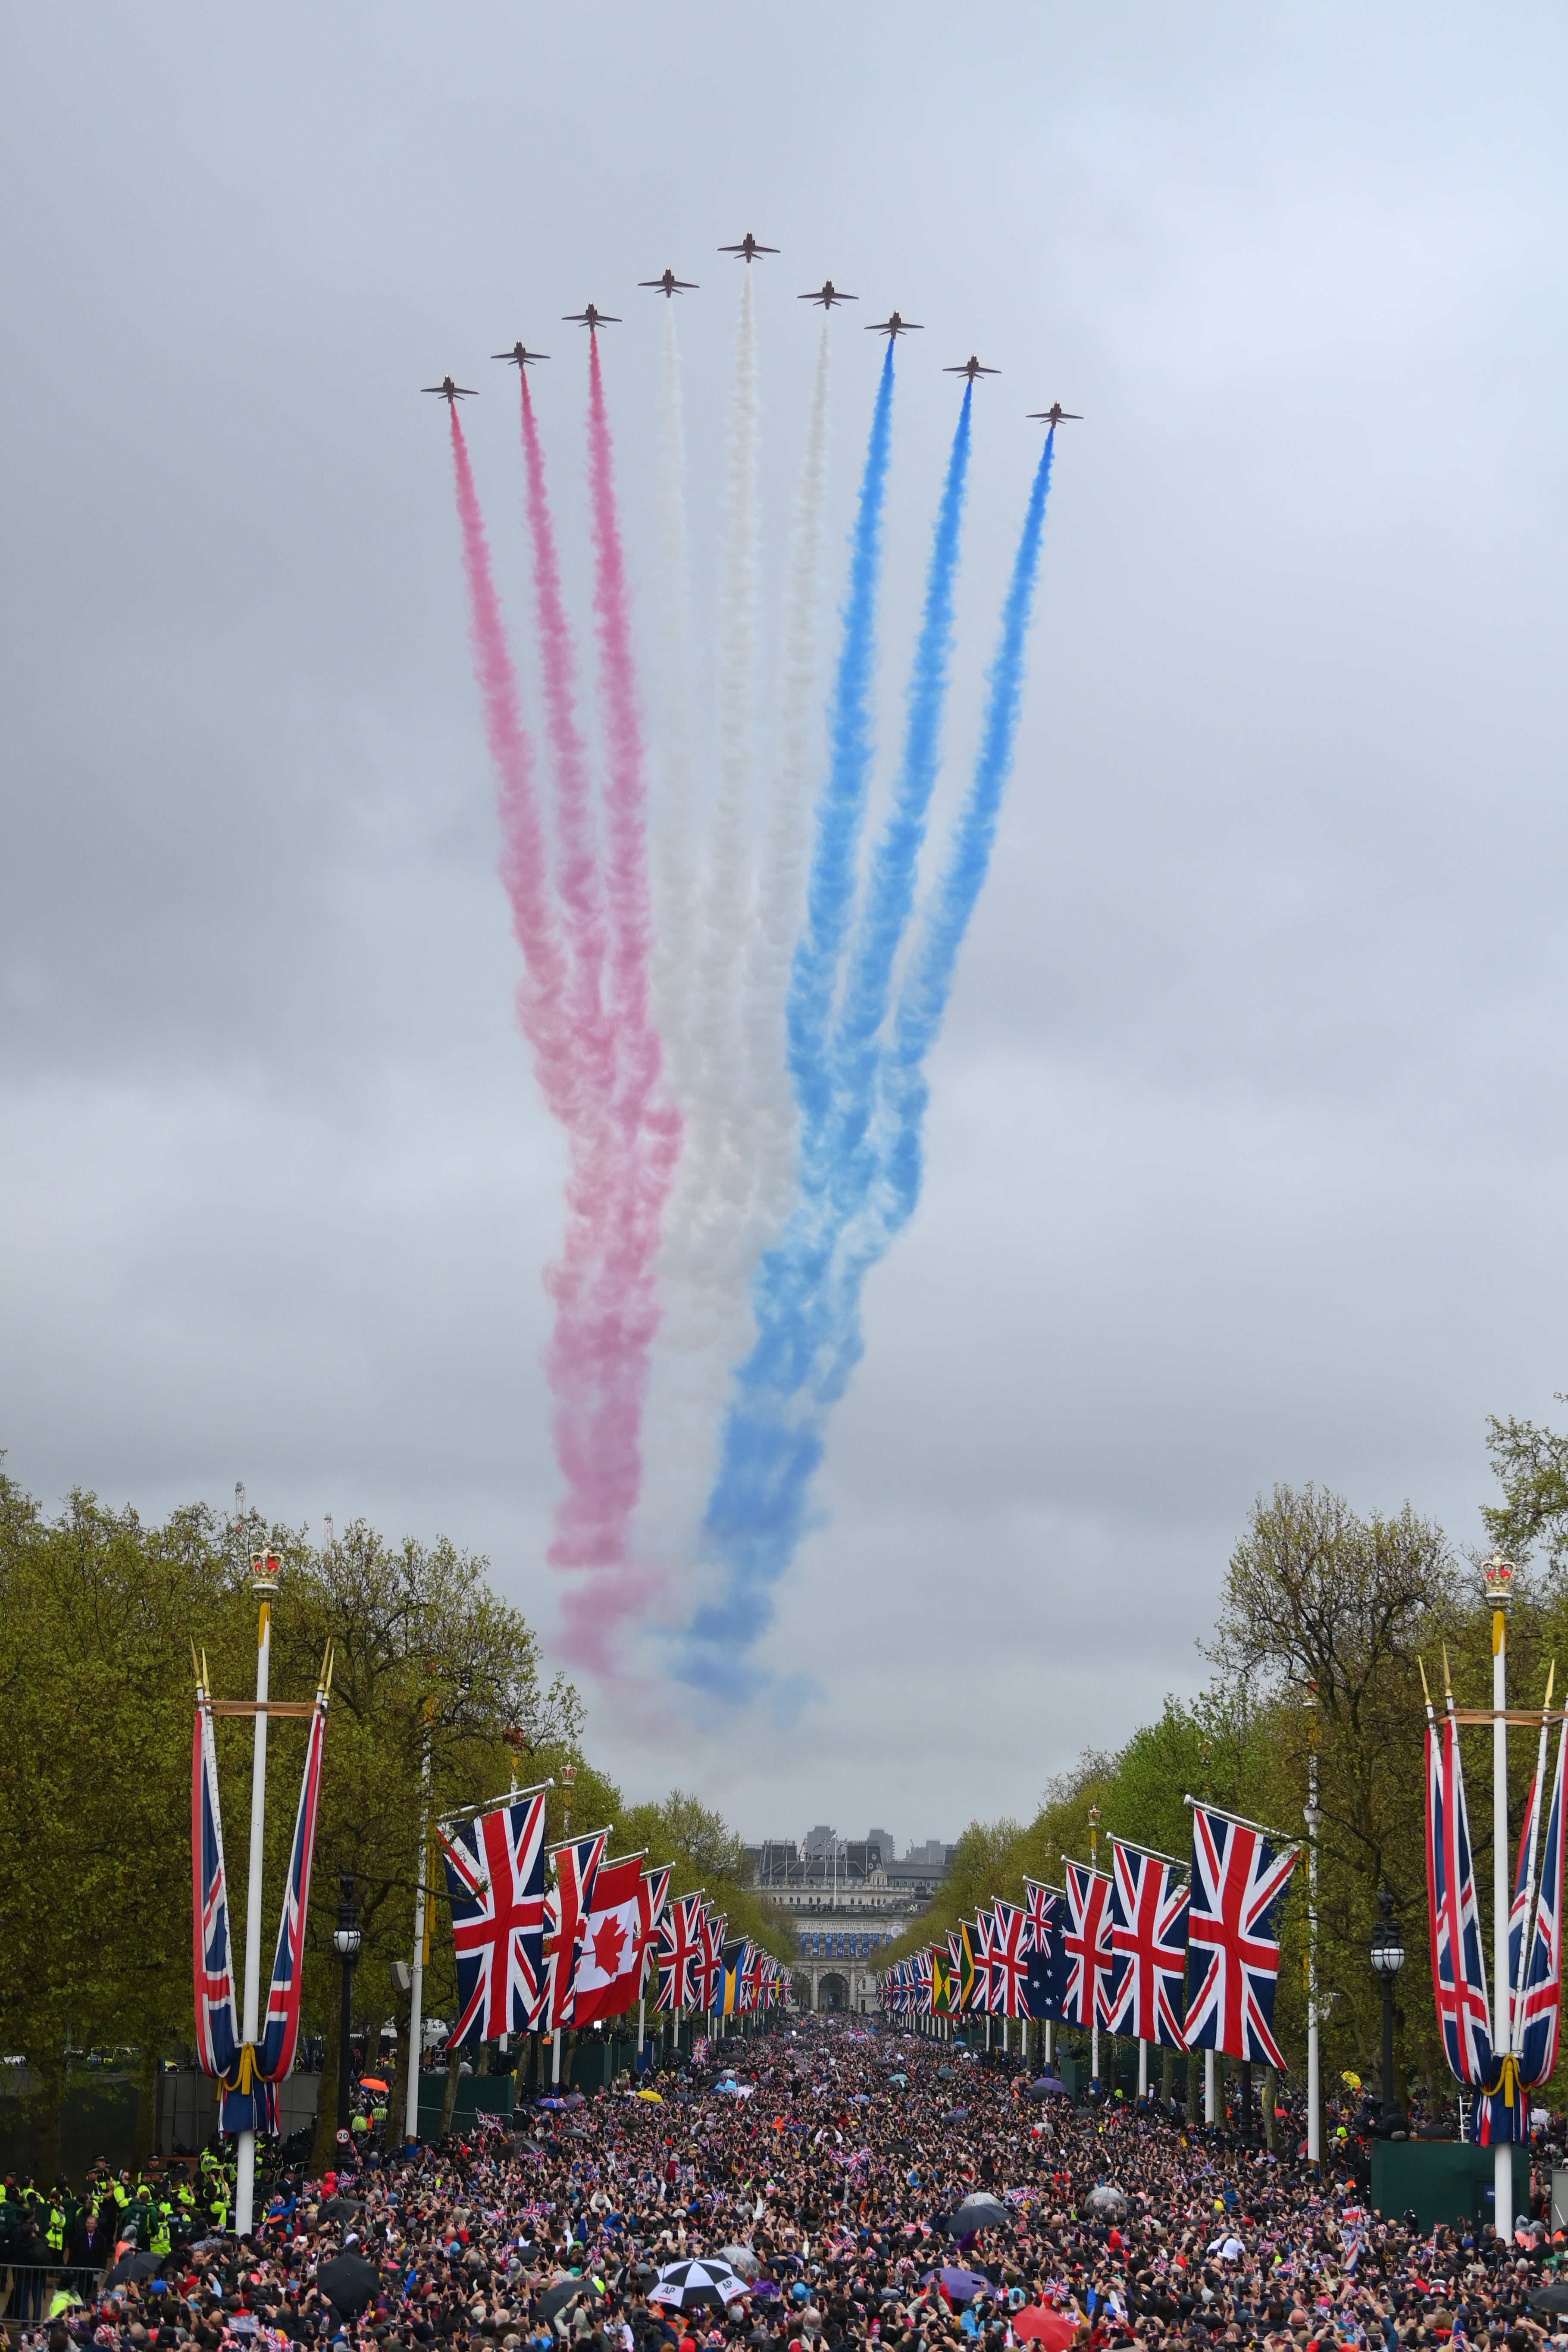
{"x":827,"y":294}
{"x":971,"y":367}
{"x":447,"y":391}
{"x":1055,"y":415}
{"x":591,"y":317}
{"x":748,"y":248}
{"x":893,"y":326}
{"x":669,"y":284}
{"x":520,"y":356}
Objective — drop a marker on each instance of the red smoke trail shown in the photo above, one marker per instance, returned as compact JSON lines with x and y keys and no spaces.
{"x":581,"y":892}
{"x":583,"y":1356}
{"x":609,"y":1305}
{"x":541,"y":996}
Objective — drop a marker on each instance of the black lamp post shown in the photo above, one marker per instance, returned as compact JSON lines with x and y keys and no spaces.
{"x":346,"y":1942}
{"x":1387,"y":1958}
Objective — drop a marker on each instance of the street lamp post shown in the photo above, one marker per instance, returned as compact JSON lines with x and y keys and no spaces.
{"x":346,"y":1942}
{"x":1387,"y":1958}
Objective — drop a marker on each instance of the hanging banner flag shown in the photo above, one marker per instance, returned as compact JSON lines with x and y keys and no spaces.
{"x":1233,"y":1952}
{"x":677,"y":1944}
{"x":980,"y":1941}
{"x":495,"y":1880}
{"x":607,"y":1964}
{"x":567,"y":1908}
{"x":1501,"y":2111}
{"x":1149,"y":1899}
{"x":217,"y":2019}
{"x":1046,"y":1986}
{"x":1009,"y":1961}
{"x":1090,"y":1963}
{"x":710,"y":1959}
{"x":1459,"y":1966}
{"x":1538,"y":2024}
{"x":652,"y":1899}
{"x":248,"y":2074}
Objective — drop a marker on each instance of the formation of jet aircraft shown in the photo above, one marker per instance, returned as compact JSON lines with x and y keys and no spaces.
{"x":826,"y":295}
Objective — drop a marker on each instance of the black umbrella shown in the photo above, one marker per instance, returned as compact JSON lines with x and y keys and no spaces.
{"x":134,"y":2267}
{"x":978,"y":2212}
{"x":556,"y":2298}
{"x":339,"y":2207}
{"x":1047,"y":2087}
{"x":349,"y":2281}
{"x":1550,"y":2298}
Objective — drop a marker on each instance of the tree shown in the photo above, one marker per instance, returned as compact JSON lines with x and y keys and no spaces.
{"x":1531,"y":1468}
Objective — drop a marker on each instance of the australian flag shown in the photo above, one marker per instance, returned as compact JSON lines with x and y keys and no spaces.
{"x":1045,"y":1982}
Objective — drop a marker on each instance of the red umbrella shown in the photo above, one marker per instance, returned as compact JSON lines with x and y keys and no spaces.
{"x":371,"y":2082}
{"x":1054,"y":2329}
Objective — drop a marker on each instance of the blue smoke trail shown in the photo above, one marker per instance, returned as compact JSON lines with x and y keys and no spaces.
{"x":774,"y":1435}
{"x":890,"y":890}
{"x":841,"y":807}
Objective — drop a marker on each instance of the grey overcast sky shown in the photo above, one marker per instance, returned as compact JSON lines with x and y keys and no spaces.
{"x":1249,"y":1135}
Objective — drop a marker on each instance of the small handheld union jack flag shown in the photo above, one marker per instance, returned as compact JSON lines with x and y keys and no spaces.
{"x":1233,"y":1953}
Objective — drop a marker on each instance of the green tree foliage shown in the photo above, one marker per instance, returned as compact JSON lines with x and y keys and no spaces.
{"x":1316,"y":1603}
{"x":431,"y":1672}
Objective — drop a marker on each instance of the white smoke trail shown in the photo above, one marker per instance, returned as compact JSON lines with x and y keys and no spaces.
{"x":675,"y":831}
{"x":710,"y":1246}
{"x":782,"y":883}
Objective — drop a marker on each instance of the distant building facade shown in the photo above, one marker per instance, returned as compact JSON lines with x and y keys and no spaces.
{"x":849,"y":1897}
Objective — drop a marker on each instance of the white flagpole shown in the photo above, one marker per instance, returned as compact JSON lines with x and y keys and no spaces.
{"x":1499,"y":1573}
{"x":1142,"y":2068}
{"x":1314,"y":1822}
{"x":416,"y":2001}
{"x":264,"y":1584}
{"x":1211,"y":2096}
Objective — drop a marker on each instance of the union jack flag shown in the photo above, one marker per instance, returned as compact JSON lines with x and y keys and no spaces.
{"x":679,"y":1940}
{"x":711,"y":1958}
{"x":1009,"y":1961}
{"x":981,"y":1998}
{"x":566,"y":1911}
{"x":760,"y":1972}
{"x":1233,"y":1953}
{"x":1042,"y":1904}
{"x":1149,"y":1936}
{"x":1500,"y":2113}
{"x":1538,"y":2015}
{"x":1458,"y":1966}
{"x":280,"y":2027}
{"x":1089,"y":1960}
{"x":212,"y":1960}
{"x":495,"y":1878}
{"x":925,"y":1980}
{"x":653,"y":1896}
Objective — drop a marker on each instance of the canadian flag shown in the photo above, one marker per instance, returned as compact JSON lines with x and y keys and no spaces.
{"x":607,"y":1966}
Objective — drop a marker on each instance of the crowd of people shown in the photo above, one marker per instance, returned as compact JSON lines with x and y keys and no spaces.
{"x":826,"y":2164}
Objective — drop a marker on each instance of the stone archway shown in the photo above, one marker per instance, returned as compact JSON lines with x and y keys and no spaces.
{"x":801,"y":1985}
{"x":833,"y":1991}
